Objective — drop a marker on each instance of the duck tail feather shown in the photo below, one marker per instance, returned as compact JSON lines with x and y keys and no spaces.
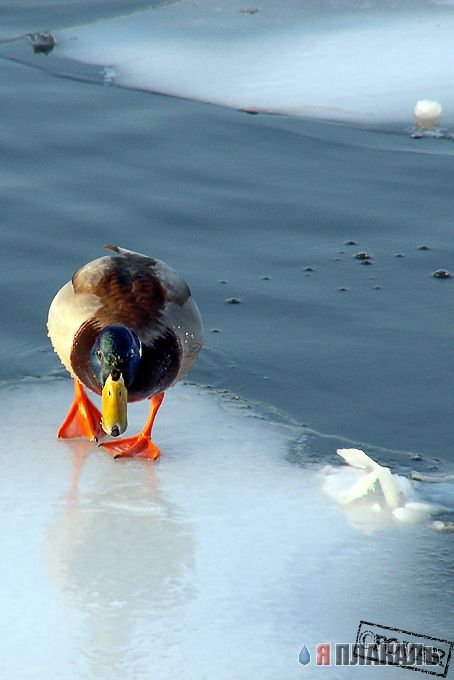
{"x":128,"y":253}
{"x":118,"y":250}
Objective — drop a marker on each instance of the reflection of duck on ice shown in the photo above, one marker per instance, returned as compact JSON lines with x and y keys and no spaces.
{"x":119,"y":554}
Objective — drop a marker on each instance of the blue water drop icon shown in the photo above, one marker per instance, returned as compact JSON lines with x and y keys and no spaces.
{"x":304,"y":656}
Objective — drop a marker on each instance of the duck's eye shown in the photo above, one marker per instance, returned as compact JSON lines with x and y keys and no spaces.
{"x":99,"y":354}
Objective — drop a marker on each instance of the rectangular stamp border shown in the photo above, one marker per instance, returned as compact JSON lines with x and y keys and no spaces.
{"x":408,"y":632}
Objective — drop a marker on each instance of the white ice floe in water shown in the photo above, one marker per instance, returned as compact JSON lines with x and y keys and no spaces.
{"x":219,"y":561}
{"x":382,"y":495}
{"x":355,"y":61}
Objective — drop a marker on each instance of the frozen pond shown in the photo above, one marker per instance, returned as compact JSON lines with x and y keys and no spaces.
{"x":222,"y":559}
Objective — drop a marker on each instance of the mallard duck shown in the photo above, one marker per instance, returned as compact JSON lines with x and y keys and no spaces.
{"x":126,"y":327}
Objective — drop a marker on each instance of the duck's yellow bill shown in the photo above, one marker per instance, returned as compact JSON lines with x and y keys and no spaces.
{"x":114,"y":406}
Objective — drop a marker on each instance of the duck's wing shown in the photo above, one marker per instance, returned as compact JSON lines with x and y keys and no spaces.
{"x":175,"y":287}
{"x":128,"y":288}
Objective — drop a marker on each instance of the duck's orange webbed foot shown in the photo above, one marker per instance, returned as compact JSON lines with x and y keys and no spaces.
{"x":83,"y":419}
{"x":141,"y":445}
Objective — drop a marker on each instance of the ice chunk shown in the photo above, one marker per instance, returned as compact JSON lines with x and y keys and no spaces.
{"x":358,"y":459}
{"x":377,"y":474}
{"x":443,"y":527}
{"x":432,"y":479}
{"x":427,"y":114}
{"x":414,"y":511}
{"x":377,"y":488}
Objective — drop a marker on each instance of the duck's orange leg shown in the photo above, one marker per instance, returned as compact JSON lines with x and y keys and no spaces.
{"x":83,"y":419}
{"x":141,"y":445}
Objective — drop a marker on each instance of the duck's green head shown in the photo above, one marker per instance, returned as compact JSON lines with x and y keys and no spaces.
{"x":115,"y":359}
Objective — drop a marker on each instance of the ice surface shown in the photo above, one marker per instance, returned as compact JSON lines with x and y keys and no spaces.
{"x":221,"y":560}
{"x":345,"y":61}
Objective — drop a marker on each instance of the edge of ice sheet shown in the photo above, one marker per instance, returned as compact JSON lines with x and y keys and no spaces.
{"x":367,"y":492}
{"x":366,"y":66}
